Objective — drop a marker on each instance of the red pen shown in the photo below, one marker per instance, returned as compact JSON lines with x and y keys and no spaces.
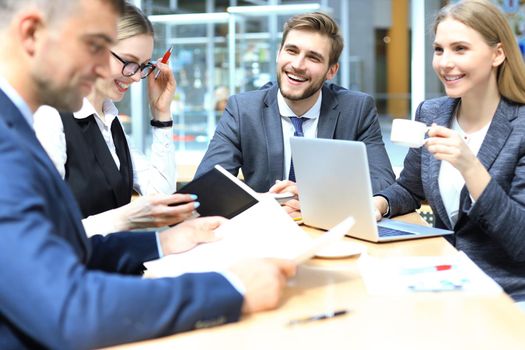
{"x":164,"y":60}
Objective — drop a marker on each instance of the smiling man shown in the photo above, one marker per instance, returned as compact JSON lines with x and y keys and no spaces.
{"x":254,"y":131}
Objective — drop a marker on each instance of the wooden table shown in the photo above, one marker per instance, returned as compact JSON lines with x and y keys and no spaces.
{"x":450,"y":320}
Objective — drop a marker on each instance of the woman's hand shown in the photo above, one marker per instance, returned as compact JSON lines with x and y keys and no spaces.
{"x":446,"y":144}
{"x":161,"y":92}
{"x":154,"y":211}
{"x":188,"y":234}
{"x":381,"y":207}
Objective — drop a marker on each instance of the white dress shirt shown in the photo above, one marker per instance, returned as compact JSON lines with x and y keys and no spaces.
{"x":450,"y":180}
{"x":150,"y":176}
{"x":309,"y":126}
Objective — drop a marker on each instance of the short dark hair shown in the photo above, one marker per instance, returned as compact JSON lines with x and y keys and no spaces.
{"x":320,"y":23}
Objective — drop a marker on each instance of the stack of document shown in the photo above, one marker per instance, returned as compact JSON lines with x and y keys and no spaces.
{"x":264,"y":230}
{"x":403,"y":275}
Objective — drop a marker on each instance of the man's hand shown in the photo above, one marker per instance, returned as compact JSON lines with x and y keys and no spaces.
{"x":188,"y":234}
{"x":292,"y":207}
{"x":264,"y":280}
{"x":284,"y":186}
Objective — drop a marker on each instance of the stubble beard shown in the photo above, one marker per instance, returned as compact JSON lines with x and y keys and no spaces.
{"x":307,"y":93}
{"x":62,"y":98}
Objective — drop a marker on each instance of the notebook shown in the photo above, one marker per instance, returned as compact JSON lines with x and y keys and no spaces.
{"x":334,"y":183}
{"x":220,"y":193}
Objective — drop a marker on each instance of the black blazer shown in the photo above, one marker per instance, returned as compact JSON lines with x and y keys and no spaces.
{"x":91,"y":172}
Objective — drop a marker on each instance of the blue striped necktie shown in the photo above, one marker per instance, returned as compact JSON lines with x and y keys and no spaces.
{"x":298,"y":126}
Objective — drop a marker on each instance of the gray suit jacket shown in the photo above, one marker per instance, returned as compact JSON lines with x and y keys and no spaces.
{"x":492,"y":230}
{"x":249,"y":135}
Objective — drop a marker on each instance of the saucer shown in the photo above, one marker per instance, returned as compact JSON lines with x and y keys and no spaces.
{"x":341,"y":249}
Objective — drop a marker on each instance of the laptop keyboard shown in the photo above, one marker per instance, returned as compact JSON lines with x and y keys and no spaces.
{"x":389,"y":232}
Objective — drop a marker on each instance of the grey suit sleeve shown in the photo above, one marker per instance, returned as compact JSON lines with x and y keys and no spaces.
{"x":225,"y":146}
{"x":406,"y":194}
{"x":501,"y":214}
{"x":381,"y":173}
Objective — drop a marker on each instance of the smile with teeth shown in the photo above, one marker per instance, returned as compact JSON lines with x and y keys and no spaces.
{"x":296,"y":78}
{"x":122,"y":85}
{"x":453,"y":77}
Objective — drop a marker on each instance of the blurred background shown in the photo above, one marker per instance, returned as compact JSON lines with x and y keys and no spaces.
{"x":222,"y":47}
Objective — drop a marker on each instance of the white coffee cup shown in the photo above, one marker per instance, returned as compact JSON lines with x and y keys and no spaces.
{"x":408,"y":133}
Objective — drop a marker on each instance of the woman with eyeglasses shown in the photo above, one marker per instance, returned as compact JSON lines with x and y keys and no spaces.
{"x":90,"y":150}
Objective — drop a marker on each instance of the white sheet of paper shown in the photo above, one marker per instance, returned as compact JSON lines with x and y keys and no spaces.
{"x":405,"y":275}
{"x":264,"y":230}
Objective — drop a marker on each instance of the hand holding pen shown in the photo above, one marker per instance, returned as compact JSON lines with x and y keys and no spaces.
{"x":164,"y":60}
{"x":161,"y":91}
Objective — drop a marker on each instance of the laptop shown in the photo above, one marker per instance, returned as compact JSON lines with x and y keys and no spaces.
{"x":334,"y":183}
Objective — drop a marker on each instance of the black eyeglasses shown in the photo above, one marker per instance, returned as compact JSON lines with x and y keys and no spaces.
{"x":130,"y":68}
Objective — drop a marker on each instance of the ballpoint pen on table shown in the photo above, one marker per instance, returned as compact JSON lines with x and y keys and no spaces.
{"x":164,"y":60}
{"x":318,"y":317}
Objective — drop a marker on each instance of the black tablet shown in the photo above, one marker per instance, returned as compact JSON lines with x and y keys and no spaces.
{"x":218,"y":194}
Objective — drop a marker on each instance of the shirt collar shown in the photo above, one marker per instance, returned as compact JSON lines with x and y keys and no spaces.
{"x":108,"y":107}
{"x":19,"y":102}
{"x":286,"y":111}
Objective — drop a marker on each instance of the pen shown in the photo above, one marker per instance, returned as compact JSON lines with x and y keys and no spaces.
{"x":164,"y":60}
{"x":318,"y":317}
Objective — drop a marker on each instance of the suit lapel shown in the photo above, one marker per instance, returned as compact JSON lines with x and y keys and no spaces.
{"x":328,"y":115}
{"x":273,"y":130}
{"x":442,"y":117}
{"x":497,"y":134}
{"x":496,"y":137}
{"x":15,"y":120}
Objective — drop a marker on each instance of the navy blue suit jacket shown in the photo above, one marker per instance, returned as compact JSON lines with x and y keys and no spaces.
{"x":61,"y":290}
{"x":492,"y":230}
{"x":250,"y":135}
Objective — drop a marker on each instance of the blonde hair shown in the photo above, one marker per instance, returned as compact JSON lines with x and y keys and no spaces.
{"x":320,"y":23}
{"x":485,"y":18}
{"x":133,"y":22}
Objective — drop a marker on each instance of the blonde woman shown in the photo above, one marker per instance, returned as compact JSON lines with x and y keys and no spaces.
{"x":472,"y":167}
{"x":91,"y":152}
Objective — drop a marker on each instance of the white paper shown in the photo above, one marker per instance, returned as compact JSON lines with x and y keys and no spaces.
{"x":264,"y":230}
{"x":405,"y":275}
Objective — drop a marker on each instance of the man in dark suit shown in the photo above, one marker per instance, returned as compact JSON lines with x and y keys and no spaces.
{"x":253,"y":133}
{"x":59,"y":289}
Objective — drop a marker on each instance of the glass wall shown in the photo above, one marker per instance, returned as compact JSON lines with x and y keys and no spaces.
{"x":222,"y":47}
